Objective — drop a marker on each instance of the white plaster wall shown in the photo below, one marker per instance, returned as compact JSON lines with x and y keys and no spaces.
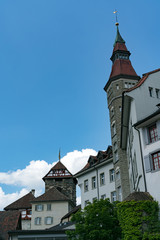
{"x":146,"y":105}
{"x":58,"y":210}
{"x":107,"y":188}
{"x":26,"y":224}
{"x":152,"y":178}
{"x":139,"y":184}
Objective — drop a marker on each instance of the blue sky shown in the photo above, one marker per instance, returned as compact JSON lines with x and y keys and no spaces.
{"x":54,"y":63}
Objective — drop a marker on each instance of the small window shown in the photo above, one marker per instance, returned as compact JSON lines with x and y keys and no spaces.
{"x":111,"y":173}
{"x":116,"y":156}
{"x":126,"y":85}
{"x":113,"y":129}
{"x":38,"y":221}
{"x":120,"y":108}
{"x":102,"y":179}
{"x":103,"y":196}
{"x":113,"y":196}
{"x":49,"y":207}
{"x":93,"y":182}
{"x":86,"y":202}
{"x":153,"y":134}
{"x":118,"y":175}
{"x":117,"y":86}
{"x":39,"y":207}
{"x":157,"y":93}
{"x":86,"y":185}
{"x":150,"y":91}
{"x":95,"y":198}
{"x":48,"y":220}
{"x":115,"y":146}
{"x":156,"y":160}
{"x":119,"y":193}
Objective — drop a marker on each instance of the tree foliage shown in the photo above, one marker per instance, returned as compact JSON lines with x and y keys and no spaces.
{"x":139,"y":220}
{"x":98,"y":221}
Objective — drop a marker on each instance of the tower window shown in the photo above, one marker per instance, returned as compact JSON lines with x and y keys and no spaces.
{"x":117,"y":86}
{"x":113,"y":196}
{"x":119,"y":193}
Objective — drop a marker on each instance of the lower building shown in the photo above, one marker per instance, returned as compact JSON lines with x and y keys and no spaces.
{"x":97,"y":179}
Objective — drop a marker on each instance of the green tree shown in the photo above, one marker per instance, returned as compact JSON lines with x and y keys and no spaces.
{"x":98,"y":221}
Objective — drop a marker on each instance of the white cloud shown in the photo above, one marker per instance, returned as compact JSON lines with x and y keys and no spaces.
{"x":76,"y":160}
{"x":31,"y":176}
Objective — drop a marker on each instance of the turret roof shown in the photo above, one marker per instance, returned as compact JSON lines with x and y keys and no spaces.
{"x":58,"y":171}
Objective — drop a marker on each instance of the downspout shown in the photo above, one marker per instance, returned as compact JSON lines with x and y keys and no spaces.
{"x":145,"y":185}
{"x":97,"y":183}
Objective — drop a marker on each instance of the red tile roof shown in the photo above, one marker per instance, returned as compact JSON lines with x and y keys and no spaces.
{"x":142,"y":80}
{"x":9,"y":221}
{"x":53,"y":194}
{"x":122,"y":67}
{"x":101,"y":157}
{"x":21,"y":203}
{"x":120,"y":46}
{"x":58,"y":166}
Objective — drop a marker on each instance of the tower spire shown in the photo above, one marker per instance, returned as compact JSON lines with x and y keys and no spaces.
{"x":59,"y":156}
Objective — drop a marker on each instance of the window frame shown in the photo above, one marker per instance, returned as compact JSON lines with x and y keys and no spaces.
{"x":39,"y":207}
{"x":37,"y":221}
{"x":48,"y":218}
{"x":112,"y":175}
{"x":94,"y":182}
{"x":102,"y":179}
{"x":86,"y":185}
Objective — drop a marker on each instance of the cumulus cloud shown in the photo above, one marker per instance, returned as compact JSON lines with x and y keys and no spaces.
{"x":31,"y":176}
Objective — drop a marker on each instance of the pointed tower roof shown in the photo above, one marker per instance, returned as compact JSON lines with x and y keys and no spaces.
{"x":58,"y":171}
{"x":119,"y":38}
{"x":121,"y":67}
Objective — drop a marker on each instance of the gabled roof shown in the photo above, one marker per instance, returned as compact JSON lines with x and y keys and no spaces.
{"x":102,"y":156}
{"x":73,"y":211}
{"x":53,"y":194}
{"x":9,"y":221}
{"x":142,"y":80}
{"x":21,"y":203}
{"x":58,"y":171}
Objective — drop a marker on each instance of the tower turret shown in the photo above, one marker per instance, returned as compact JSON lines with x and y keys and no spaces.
{"x":122,"y":76}
{"x":62,"y":179}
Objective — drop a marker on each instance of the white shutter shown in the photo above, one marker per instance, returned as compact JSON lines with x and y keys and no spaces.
{"x":145,"y":135}
{"x":147,"y":163}
{"x":158,"y":128}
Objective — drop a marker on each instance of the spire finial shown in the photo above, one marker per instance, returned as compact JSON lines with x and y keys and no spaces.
{"x":115,"y":12}
{"x":59,"y":154}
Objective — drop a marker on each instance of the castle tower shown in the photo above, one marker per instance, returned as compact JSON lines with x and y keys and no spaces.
{"x":62,"y":179}
{"x":122,"y":76}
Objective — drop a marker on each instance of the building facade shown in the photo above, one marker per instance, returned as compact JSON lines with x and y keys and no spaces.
{"x":97,"y":179}
{"x":141,"y":133}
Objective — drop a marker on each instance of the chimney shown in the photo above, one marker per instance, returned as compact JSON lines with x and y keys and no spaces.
{"x":33,"y":191}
